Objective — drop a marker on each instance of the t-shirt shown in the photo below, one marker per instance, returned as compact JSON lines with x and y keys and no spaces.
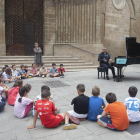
{"x":19,"y":108}
{"x":59,"y":69}
{"x":53,"y":70}
{"x":4,"y":75}
{"x":95,"y":108}
{"x":12,"y":95}
{"x":14,"y":73}
{"x":20,"y":72}
{"x":81,"y":104}
{"x":1,"y":89}
{"x":133,"y":106}
{"x":118,"y":115}
{"x":33,"y":70}
{"x":43,"y":70}
{"x":45,"y":110}
{"x":36,"y":99}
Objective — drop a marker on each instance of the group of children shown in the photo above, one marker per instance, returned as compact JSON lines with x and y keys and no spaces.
{"x":11,"y":75}
{"x":116,"y":116}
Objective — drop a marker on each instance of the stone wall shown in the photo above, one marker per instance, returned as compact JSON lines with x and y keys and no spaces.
{"x":2,"y":29}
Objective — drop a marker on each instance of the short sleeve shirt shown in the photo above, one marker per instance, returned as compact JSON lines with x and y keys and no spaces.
{"x":20,"y":72}
{"x":5,"y":75}
{"x":62,"y":70}
{"x":45,"y":110}
{"x":43,"y":70}
{"x":81,"y":104}
{"x":53,"y":71}
{"x":133,"y":105}
{"x":14,"y":73}
{"x":95,"y":107}
{"x":118,"y":114}
{"x":1,"y":89}
{"x":33,"y":70}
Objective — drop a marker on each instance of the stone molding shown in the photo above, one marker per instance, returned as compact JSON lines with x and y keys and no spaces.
{"x":119,"y":4}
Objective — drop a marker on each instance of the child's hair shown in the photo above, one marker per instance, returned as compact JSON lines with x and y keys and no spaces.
{"x":8,"y":71}
{"x":45,"y":93}
{"x":1,"y":75}
{"x":22,"y":91}
{"x":53,"y":64}
{"x":33,"y":64}
{"x":42,"y":64}
{"x":132,"y":91}
{"x":95,"y":91}
{"x":26,"y":66}
{"x":61,"y":65}
{"x":6,"y":65}
{"x":81,"y":88}
{"x":18,"y":83}
{"x":21,"y":66}
{"x":0,"y":80}
{"x":13,"y":66}
{"x":44,"y":87}
{"x":111,"y":97}
{"x":28,"y":86}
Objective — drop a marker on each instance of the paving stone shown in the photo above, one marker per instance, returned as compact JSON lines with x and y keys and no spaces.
{"x":61,"y":136}
{"x":8,"y":135}
{"x":89,"y":137}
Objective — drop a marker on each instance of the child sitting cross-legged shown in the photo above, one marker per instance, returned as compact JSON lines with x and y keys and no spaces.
{"x":48,"y":116}
{"x":23,"y":104}
{"x":44,"y":87}
{"x":61,"y":71}
{"x":132,"y":105}
{"x":118,"y":116}
{"x":96,"y":104}
{"x":13,"y":92}
{"x":27,"y":71}
{"x":43,"y":71}
{"x":81,"y":105}
{"x":7,"y":76}
{"x":53,"y":71}
{"x":15,"y":73}
{"x":33,"y":71}
{"x":22,"y":72}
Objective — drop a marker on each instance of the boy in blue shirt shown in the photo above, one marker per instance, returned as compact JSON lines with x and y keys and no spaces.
{"x":96,"y":104}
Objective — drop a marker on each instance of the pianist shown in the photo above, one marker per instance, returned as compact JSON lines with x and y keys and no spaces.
{"x":104,"y":58}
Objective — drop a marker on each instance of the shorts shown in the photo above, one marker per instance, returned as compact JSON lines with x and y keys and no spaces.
{"x":3,"y":99}
{"x":106,"y":122}
{"x":56,"y":122}
{"x":76,"y":115}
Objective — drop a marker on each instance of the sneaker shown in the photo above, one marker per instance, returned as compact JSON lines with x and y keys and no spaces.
{"x":74,"y":120}
{"x":107,"y":78}
{"x":52,"y":76}
{"x":69,"y":126}
{"x":60,"y":75}
{"x":43,"y":76}
{"x":63,"y":76}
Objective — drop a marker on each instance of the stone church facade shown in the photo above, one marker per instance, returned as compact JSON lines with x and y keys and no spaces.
{"x":86,"y":24}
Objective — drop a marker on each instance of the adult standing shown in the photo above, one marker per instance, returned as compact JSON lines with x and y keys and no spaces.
{"x":104,"y":59}
{"x":38,"y":56}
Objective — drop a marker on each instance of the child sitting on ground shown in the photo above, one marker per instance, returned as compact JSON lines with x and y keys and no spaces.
{"x":43,"y":71}
{"x":12,"y":93}
{"x":3,"y":69}
{"x":61,"y":71}
{"x":15,"y":73}
{"x":44,"y":87}
{"x":7,"y":76}
{"x":96,"y":104}
{"x":132,"y":105}
{"x":26,"y":71}
{"x":2,"y":103}
{"x":3,"y":85}
{"x":81,"y":105}
{"x":48,"y":116}
{"x":3,"y":91}
{"x":118,"y":116}
{"x":22,"y":72}
{"x":33,"y":71}
{"x":23,"y":104}
{"x":53,"y":71}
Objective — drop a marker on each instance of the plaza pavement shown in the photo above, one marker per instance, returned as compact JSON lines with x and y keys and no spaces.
{"x":12,"y":128}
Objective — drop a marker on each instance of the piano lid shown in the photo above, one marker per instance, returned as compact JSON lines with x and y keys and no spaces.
{"x":132,"y":47}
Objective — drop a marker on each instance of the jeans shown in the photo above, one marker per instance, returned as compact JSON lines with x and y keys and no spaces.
{"x":108,"y":66}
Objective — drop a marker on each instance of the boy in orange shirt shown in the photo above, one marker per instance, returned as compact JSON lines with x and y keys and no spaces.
{"x":118,"y":116}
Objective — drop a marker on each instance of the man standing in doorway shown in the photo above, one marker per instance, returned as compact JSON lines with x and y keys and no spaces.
{"x":104,"y":59}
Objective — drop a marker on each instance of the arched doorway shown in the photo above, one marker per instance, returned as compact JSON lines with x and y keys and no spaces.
{"x":23,"y":26}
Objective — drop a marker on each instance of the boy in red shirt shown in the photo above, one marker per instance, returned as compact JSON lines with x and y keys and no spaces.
{"x":61,"y":71}
{"x":48,"y":115}
{"x":118,"y":116}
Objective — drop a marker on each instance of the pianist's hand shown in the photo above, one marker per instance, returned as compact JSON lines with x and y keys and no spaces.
{"x":104,"y":60}
{"x":110,"y":60}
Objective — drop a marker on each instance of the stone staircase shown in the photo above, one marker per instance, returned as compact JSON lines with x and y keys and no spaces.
{"x":70,"y":64}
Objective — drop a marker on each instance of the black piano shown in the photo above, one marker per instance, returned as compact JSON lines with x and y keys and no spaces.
{"x":132,"y":57}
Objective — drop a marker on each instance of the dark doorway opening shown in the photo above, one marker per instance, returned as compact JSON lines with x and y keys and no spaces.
{"x":23,"y":26}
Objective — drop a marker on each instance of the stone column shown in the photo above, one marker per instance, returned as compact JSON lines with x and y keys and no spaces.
{"x":2,"y":29}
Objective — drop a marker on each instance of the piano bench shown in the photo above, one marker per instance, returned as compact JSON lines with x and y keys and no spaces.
{"x":101,"y":69}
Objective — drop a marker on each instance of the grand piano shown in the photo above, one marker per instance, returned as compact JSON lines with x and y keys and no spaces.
{"x":132,"y":57}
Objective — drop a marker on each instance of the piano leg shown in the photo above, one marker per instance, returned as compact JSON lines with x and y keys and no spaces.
{"x":119,"y":76}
